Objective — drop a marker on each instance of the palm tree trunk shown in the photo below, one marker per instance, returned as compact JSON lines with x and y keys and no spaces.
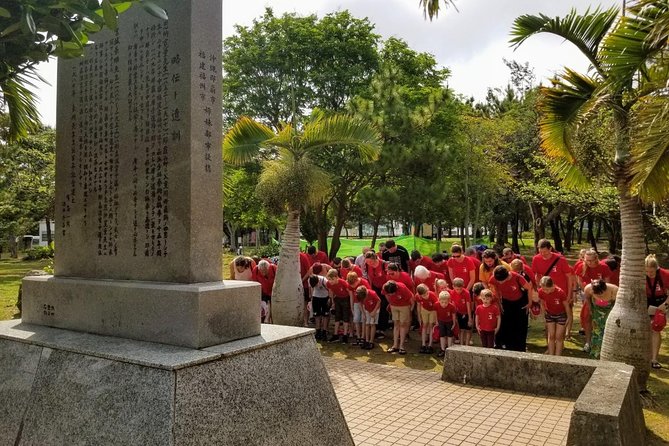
{"x":627,"y":332}
{"x":287,"y":294}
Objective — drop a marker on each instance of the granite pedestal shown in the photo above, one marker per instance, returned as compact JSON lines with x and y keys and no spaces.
{"x":61,"y":387}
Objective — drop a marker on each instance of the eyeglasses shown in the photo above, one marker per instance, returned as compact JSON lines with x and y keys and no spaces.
{"x":455,"y":256}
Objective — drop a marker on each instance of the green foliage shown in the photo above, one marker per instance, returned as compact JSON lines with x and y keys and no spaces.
{"x":39,"y":252}
{"x":31,"y":31}
{"x":271,"y":250}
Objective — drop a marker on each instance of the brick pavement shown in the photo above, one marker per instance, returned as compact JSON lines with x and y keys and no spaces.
{"x":386,"y":405}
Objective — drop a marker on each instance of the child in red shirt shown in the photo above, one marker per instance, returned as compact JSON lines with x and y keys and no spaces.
{"x":338,"y":289}
{"x":428,"y":315}
{"x":371,"y":303}
{"x":446,"y":319}
{"x":488,"y":319}
{"x":463,"y":304}
{"x":555,"y":304}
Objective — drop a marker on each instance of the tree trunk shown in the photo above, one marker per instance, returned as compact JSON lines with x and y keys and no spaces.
{"x":569,"y":228}
{"x":514,"y":234}
{"x":462,"y":236}
{"x":627,"y":332}
{"x":340,"y":221}
{"x":491,"y":234}
{"x":360,"y":229}
{"x":12,"y":246}
{"x":557,"y":238}
{"x":232,"y":230}
{"x":322,"y":227}
{"x":580,"y":231}
{"x":257,"y":238}
{"x":49,"y":238}
{"x":392,"y":228}
{"x":501,"y":232}
{"x":599,"y":229}
{"x":375,"y":231}
{"x":287,"y":294}
{"x":538,"y":223}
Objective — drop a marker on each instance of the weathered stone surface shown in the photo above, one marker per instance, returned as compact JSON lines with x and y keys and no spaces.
{"x":607,"y":410}
{"x":524,"y":372}
{"x":279,"y":394}
{"x":18,"y":364}
{"x":81,"y":399}
{"x":138,"y":171}
{"x":275,"y":392}
{"x":191,"y":315}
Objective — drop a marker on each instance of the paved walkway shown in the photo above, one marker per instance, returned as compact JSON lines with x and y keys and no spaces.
{"x":387,"y":405}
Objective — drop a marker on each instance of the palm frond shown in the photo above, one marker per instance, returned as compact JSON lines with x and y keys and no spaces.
{"x":244,"y":139}
{"x":650,"y":148}
{"x":627,"y":49}
{"x":659,"y":10}
{"x":431,"y":7}
{"x":24,"y":117}
{"x":585,"y":31}
{"x":562,"y":108}
{"x":342,"y":130}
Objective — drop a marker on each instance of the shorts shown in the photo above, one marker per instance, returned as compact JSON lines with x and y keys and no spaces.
{"x":556,"y":318}
{"x":357,"y":313}
{"x":342,"y":308}
{"x":369,"y":319}
{"x":427,"y":316}
{"x":265,"y":298}
{"x":463,"y":321}
{"x":445,"y":329}
{"x":401,"y":314}
{"x":320,"y":306}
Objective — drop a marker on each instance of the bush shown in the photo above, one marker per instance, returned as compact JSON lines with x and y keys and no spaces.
{"x":271,"y":250}
{"x":40,"y":252}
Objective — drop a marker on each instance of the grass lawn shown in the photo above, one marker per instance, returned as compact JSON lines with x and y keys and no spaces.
{"x":656,"y":411}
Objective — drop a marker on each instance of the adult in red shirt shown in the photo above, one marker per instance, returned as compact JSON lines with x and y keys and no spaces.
{"x":394,"y":272}
{"x":509,"y":256}
{"x":590,"y":269}
{"x":401,"y":301}
{"x":441,"y":267}
{"x":514,"y":291}
{"x":418,"y":259}
{"x":375,"y":270}
{"x":305,"y":272}
{"x":472,"y":255}
{"x":461,"y":266}
{"x":429,"y":278}
{"x":554,"y":265}
{"x":657,"y":290}
{"x":555,"y":306}
{"x":613,"y":264}
{"x":317,"y":256}
{"x":264,"y":274}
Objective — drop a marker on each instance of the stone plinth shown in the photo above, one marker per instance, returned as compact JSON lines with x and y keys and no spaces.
{"x":61,"y":387}
{"x":190,"y":315}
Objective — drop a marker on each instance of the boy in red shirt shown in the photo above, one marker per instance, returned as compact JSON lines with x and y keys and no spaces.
{"x":446,"y":319}
{"x":353,"y":283}
{"x":371,"y":303}
{"x":428,"y":315}
{"x":555,"y":306}
{"x":338,"y":289}
{"x":401,"y":303}
{"x":347,"y":266}
{"x":488,"y":319}
{"x":463,"y":304}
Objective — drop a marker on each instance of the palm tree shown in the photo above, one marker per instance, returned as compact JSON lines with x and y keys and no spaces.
{"x":623,"y":74}
{"x":431,"y":7}
{"x":290,"y":180}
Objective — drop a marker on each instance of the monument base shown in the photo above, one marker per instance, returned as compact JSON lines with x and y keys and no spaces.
{"x":62,"y":387}
{"x":193,"y":315}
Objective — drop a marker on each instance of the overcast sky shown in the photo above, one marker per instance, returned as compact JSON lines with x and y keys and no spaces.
{"x":472,"y":42}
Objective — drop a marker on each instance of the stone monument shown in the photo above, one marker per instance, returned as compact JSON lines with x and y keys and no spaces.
{"x":136,"y":339}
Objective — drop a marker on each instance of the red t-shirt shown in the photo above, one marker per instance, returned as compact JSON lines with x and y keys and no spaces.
{"x":405,"y":278}
{"x":614,"y":276}
{"x":477,"y":265}
{"x":592,"y":273}
{"x":360,"y":282}
{"x":305,"y":264}
{"x":376,"y":274}
{"x":319,"y":257}
{"x":553,"y":302}
{"x":425,"y":261}
{"x":530,"y":273}
{"x":460,"y":300}
{"x":442,"y":268}
{"x":661,"y":284}
{"x":511,"y":288}
{"x":559,"y":273}
{"x":339,"y":289}
{"x":266,"y":282}
{"x":371,"y":300}
{"x":429,"y":303}
{"x":343,"y":272}
{"x":402,"y":297}
{"x":431,"y":279}
{"x":461,"y":269}
{"x":487,"y":317}
{"x":445,"y":314}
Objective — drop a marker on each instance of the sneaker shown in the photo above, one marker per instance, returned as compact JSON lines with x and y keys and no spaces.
{"x":368,"y":345}
{"x":344,"y":339}
{"x":334,"y":338}
{"x":379,"y":335}
{"x":318,"y":336}
{"x":423,"y":349}
{"x":430,"y":349}
{"x":441,"y":353}
{"x":586,"y":348}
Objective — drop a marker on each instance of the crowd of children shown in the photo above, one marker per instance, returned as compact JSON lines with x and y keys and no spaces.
{"x":456,"y":295}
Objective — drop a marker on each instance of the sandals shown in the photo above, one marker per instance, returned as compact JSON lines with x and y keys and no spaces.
{"x":402,"y":351}
{"x":656,"y":365}
{"x":392,"y":350}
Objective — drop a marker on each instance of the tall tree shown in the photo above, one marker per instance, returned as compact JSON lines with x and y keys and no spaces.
{"x":290,"y":179}
{"x":624,"y":70}
{"x":33,"y":31}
